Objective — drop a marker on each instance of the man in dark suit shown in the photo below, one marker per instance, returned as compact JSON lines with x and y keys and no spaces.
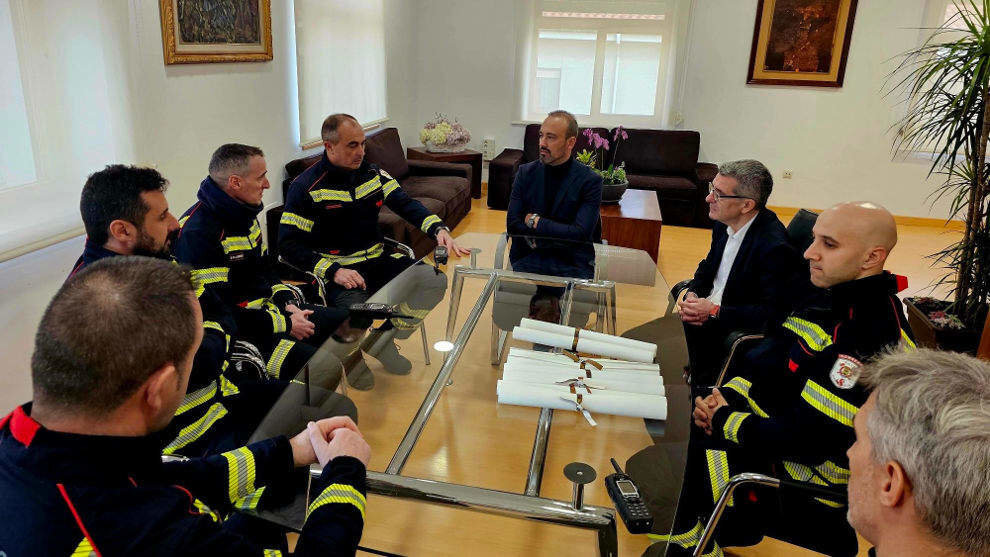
{"x":747,"y":279}
{"x":554,"y":203}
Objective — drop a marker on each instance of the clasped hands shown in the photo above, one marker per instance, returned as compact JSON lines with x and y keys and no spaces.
{"x":326,"y":439}
{"x":705,"y":408}
{"x":695,"y":310}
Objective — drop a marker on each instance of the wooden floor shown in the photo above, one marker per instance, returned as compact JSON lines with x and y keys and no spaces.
{"x":463,"y":444}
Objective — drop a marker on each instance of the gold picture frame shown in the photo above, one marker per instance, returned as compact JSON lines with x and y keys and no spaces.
{"x":801,"y":42}
{"x":234,"y":31}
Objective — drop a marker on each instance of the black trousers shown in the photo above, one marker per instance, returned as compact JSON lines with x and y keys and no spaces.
{"x":706,"y":351}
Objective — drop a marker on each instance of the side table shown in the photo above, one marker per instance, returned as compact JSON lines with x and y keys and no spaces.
{"x":633,"y":222}
{"x":466,"y":156}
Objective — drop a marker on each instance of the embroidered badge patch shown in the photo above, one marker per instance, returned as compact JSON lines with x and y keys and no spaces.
{"x":845,"y":371}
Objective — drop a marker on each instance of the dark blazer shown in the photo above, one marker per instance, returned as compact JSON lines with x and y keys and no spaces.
{"x":574,"y":216}
{"x":765,"y":275}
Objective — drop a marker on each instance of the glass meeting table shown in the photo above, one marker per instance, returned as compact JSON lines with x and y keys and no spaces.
{"x":443,"y":446}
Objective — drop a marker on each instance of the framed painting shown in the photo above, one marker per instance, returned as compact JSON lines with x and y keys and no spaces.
{"x":801,"y":42}
{"x":197,"y":31}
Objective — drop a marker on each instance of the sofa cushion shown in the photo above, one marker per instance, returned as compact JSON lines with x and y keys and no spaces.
{"x":680,"y":187}
{"x":660,"y":151}
{"x":449,"y":189}
{"x":384,"y":149}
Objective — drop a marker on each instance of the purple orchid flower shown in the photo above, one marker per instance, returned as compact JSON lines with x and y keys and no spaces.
{"x":605,"y":143}
{"x":619,"y":132}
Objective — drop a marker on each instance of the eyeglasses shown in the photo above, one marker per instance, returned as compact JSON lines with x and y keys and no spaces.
{"x":718,"y":195}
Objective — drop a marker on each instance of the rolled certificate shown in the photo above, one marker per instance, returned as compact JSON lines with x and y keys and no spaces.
{"x":561,"y":398}
{"x":612,"y":382}
{"x":551,"y":359}
{"x":528,"y":323}
{"x":583,"y":345}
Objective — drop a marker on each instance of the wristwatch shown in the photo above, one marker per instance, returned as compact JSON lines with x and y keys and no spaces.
{"x":531,"y":221}
{"x":439,"y":228}
{"x":713,"y":314}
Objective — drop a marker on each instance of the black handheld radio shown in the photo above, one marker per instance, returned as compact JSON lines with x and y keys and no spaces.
{"x":628,"y":502}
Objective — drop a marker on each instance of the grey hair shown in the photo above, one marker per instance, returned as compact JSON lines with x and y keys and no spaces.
{"x":231,"y":159}
{"x":932,"y":416}
{"x":329,"y":130}
{"x":755,"y":181}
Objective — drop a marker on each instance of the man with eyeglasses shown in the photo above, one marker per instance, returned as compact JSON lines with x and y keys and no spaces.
{"x":745,"y":281}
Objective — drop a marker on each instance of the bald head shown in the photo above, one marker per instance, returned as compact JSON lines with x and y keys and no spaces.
{"x":852,"y":240}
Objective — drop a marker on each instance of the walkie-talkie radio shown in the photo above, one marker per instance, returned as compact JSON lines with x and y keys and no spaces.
{"x":628,"y":502}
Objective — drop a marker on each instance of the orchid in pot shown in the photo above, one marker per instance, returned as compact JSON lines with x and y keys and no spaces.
{"x":614,"y":182}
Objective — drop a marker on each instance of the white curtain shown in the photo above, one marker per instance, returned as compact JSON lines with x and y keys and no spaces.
{"x":340,"y":54}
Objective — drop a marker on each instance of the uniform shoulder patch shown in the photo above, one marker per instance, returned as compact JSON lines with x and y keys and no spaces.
{"x":845,"y":372}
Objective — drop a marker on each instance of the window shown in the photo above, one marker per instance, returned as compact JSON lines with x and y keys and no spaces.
{"x":17,"y":164}
{"x":606,"y":65}
{"x":340,"y":62}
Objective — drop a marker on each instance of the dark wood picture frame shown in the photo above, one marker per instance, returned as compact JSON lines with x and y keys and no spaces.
{"x":177,"y":52}
{"x":760,"y":74}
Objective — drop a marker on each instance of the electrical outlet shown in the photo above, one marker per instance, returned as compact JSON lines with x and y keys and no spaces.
{"x":488,"y":148}
{"x":788,"y":175}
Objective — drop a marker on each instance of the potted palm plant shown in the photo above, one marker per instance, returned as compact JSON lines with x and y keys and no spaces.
{"x":946,"y":87}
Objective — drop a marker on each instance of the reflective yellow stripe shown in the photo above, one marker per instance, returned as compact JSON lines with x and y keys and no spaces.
{"x":272,"y":553}
{"x":240,"y":473}
{"x":321,"y":267}
{"x":243,"y":243}
{"x":279,"y":287}
{"x":84,"y":549}
{"x":330,"y":195}
{"x":299,"y":222}
{"x":832,"y":472}
{"x":257,"y":303}
{"x":204,"y":509}
{"x":732,"y":425}
{"x":417,"y":316}
{"x":390,"y":187}
{"x":195,"y":398}
{"x":278,"y":321}
{"x":815,"y":336}
{"x":250,"y":502}
{"x":210,"y":275}
{"x":213,"y":325}
{"x":428,"y":222}
{"x":196,"y":429}
{"x":685,"y":539}
{"x":718,"y":471}
{"x":227,"y":388}
{"x":367,"y":188}
{"x":339,"y":493}
{"x":274,"y":367}
{"x":742,"y":386}
{"x":182,"y":221}
{"x":907,"y":341}
{"x":350,"y":259}
{"x":829,"y":404}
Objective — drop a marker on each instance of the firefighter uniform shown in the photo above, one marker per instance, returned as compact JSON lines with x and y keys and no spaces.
{"x":73,"y":494}
{"x":220,"y":238}
{"x":220,"y":410}
{"x":331,"y":221}
{"x":790,"y":415}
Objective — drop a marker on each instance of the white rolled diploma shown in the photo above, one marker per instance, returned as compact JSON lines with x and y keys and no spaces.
{"x":610,"y":383}
{"x":559,"y":397}
{"x":584,"y":345}
{"x":528,"y":323}
{"x":551,"y":359}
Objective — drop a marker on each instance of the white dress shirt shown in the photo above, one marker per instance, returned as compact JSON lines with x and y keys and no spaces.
{"x":732,"y":244}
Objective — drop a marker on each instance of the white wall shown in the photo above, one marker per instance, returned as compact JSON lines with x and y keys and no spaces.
{"x":464,"y":67}
{"x":835,"y":141}
{"x":172,"y":117}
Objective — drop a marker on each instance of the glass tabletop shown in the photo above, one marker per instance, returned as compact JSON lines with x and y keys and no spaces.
{"x":443,"y":423}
